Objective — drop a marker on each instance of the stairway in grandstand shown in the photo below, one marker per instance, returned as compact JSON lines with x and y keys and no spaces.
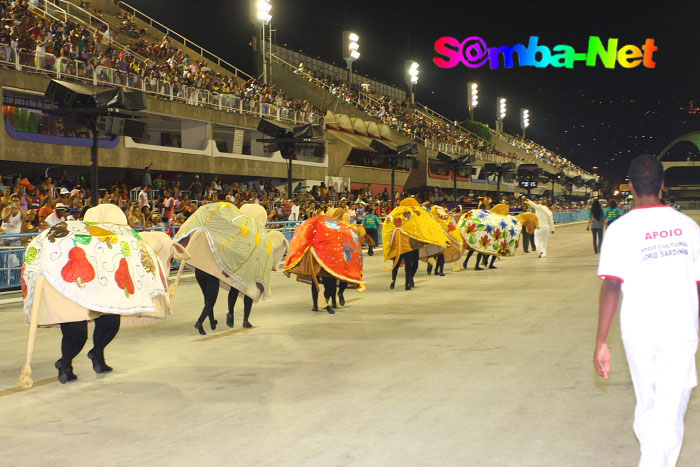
{"x":154,"y":33}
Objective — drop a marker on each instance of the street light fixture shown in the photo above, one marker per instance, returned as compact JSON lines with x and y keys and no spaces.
{"x":524,"y":120}
{"x":472,"y":98}
{"x":412,"y":73}
{"x":351,"y":50}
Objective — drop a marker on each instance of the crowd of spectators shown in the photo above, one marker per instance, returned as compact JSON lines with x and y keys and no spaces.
{"x":543,"y":154}
{"x":419,"y":126}
{"x":30,"y":206}
{"x":400,"y":117}
{"x":42,"y":41}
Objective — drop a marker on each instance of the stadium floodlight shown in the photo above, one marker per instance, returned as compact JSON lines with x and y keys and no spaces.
{"x":472,"y":98}
{"x":524,"y":120}
{"x":501,"y":110}
{"x":351,"y":46}
{"x":411,"y":75}
{"x":263,"y":8}
{"x":351,"y":50}
{"x":413,"y":72}
{"x":473,"y":94}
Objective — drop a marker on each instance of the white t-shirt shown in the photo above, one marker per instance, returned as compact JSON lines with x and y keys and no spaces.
{"x":143,"y":198}
{"x":655,"y":252}
{"x":294,"y":216}
{"x":53,"y":219}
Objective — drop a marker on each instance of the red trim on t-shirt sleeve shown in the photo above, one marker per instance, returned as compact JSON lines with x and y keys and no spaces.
{"x":605,"y":276}
{"x":654,"y":206}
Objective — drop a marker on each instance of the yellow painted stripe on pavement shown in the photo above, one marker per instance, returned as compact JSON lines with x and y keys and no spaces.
{"x":224,"y":334}
{"x":15,"y":389}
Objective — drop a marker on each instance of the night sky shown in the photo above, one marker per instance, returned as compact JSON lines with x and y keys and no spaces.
{"x":593,"y":116}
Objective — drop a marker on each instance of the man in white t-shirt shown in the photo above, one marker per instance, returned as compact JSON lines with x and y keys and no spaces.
{"x":652,"y":256}
{"x":143,"y":196}
{"x":58,"y":216}
{"x":294,"y":216}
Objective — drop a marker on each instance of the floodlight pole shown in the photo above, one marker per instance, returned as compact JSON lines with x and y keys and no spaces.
{"x":289,"y":179}
{"x":498,"y":188}
{"x":94,"y":162}
{"x":553,"y":182}
{"x":264,"y":64}
{"x":393,"y":172}
{"x":454,"y":188}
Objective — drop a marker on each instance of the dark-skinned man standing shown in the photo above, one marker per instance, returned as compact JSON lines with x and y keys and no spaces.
{"x":652,"y":256}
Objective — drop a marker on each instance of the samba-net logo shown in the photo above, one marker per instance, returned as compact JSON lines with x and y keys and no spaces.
{"x":474,"y":53}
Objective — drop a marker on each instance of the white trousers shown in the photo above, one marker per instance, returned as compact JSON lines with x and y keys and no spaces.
{"x":541,"y":238}
{"x":663,"y":376}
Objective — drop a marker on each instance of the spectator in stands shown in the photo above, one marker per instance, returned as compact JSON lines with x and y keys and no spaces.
{"x":195,"y":188}
{"x":168,"y":211}
{"x":58,"y":216}
{"x":143,"y":196}
{"x":13,"y":216}
{"x":146,"y":178}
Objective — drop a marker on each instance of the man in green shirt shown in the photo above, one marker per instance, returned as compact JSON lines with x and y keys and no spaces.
{"x":371,"y":223}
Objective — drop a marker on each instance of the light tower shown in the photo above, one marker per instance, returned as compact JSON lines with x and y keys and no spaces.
{"x":351,"y":50}
{"x":524,"y":120}
{"x":472,"y":98}
{"x":260,"y":13}
{"x":500,"y":113}
{"x":412,"y":73}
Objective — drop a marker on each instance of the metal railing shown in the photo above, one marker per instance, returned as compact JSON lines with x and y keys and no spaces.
{"x":68,"y":10}
{"x":183,"y":40}
{"x":13,"y":245}
{"x":78,"y":70}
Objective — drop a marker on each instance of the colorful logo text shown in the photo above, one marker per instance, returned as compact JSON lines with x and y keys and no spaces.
{"x":474,"y":53}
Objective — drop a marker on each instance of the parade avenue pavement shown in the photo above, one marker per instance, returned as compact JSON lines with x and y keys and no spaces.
{"x":489,"y":367}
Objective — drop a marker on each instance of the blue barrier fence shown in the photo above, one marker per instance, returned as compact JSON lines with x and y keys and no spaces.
{"x":12,"y":251}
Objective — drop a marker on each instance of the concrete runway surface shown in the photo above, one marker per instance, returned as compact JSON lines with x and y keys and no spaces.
{"x":488,"y":368}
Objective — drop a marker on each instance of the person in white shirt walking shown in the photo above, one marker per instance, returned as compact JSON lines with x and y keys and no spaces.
{"x":651,"y":255}
{"x":546,"y":221}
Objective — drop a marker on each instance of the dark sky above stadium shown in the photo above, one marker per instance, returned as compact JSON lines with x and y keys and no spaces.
{"x":592,"y":115}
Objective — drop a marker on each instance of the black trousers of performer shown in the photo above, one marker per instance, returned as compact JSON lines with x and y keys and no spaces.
{"x":329,"y":289}
{"x":479,"y":258}
{"x":247,"y":305}
{"x":75,"y":336}
{"x":210,"y":290}
{"x":440,"y":265}
{"x":410,"y":261}
{"x":373,"y":234}
{"x":528,"y":241}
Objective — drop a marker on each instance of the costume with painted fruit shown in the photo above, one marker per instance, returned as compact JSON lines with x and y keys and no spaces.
{"x":99,"y":269}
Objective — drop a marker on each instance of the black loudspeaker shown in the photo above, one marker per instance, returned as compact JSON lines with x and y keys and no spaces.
{"x":416,"y":164}
{"x":271,"y":129}
{"x":70,"y":95}
{"x":115,"y":126}
{"x":135,"y":128}
{"x":120,"y":98}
